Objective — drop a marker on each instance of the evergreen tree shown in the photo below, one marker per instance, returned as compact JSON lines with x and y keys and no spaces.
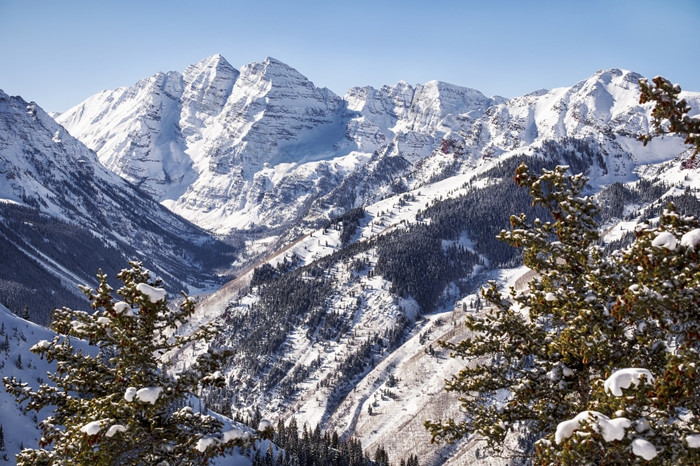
{"x":122,"y":403}
{"x":652,"y":404}
{"x":257,"y":458}
{"x":531,"y":343}
{"x":546,"y":361}
{"x":381,"y":457}
{"x":269,"y":457}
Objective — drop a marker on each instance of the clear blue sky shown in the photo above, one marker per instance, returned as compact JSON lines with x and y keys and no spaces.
{"x":58,"y":53}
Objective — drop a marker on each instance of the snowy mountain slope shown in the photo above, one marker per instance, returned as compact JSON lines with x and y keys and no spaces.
{"x":390,"y":403}
{"x":63,"y":216}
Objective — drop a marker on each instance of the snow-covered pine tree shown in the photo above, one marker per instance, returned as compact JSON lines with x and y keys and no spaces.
{"x":533,"y":357}
{"x":651,"y":407}
{"x":647,"y":412}
{"x":123,"y":403}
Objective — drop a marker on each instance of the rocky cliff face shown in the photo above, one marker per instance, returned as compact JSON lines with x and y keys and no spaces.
{"x":412,"y":117}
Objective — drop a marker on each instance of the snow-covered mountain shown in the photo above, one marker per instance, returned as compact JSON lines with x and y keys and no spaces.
{"x":343,"y":332}
{"x":232,"y":150}
{"x":64,"y":216}
{"x":603,"y":107}
{"x":262,"y":149}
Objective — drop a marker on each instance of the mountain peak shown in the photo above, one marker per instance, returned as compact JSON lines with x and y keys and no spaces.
{"x":218,"y":61}
{"x":273,"y":60}
{"x":274,"y":66}
{"x":442,"y":86}
{"x":214,"y":65}
{"x":617,"y":73}
{"x":207,"y":86}
{"x":276,"y":73}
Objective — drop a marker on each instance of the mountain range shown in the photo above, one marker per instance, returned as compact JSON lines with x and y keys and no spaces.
{"x":359,"y":229}
{"x":263,"y":149}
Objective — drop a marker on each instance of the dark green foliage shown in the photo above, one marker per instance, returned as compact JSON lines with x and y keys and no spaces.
{"x":108,"y":389}
{"x":580,"y":155}
{"x":414,"y":261}
{"x":381,"y":457}
{"x":348,"y":223}
{"x":686,"y":204}
{"x":614,"y":199}
{"x":617,"y":196}
{"x":317,"y":448}
{"x":418,"y":265}
{"x":263,"y":274}
{"x":659,"y":311}
{"x":287,"y":300}
{"x":411,"y":461}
